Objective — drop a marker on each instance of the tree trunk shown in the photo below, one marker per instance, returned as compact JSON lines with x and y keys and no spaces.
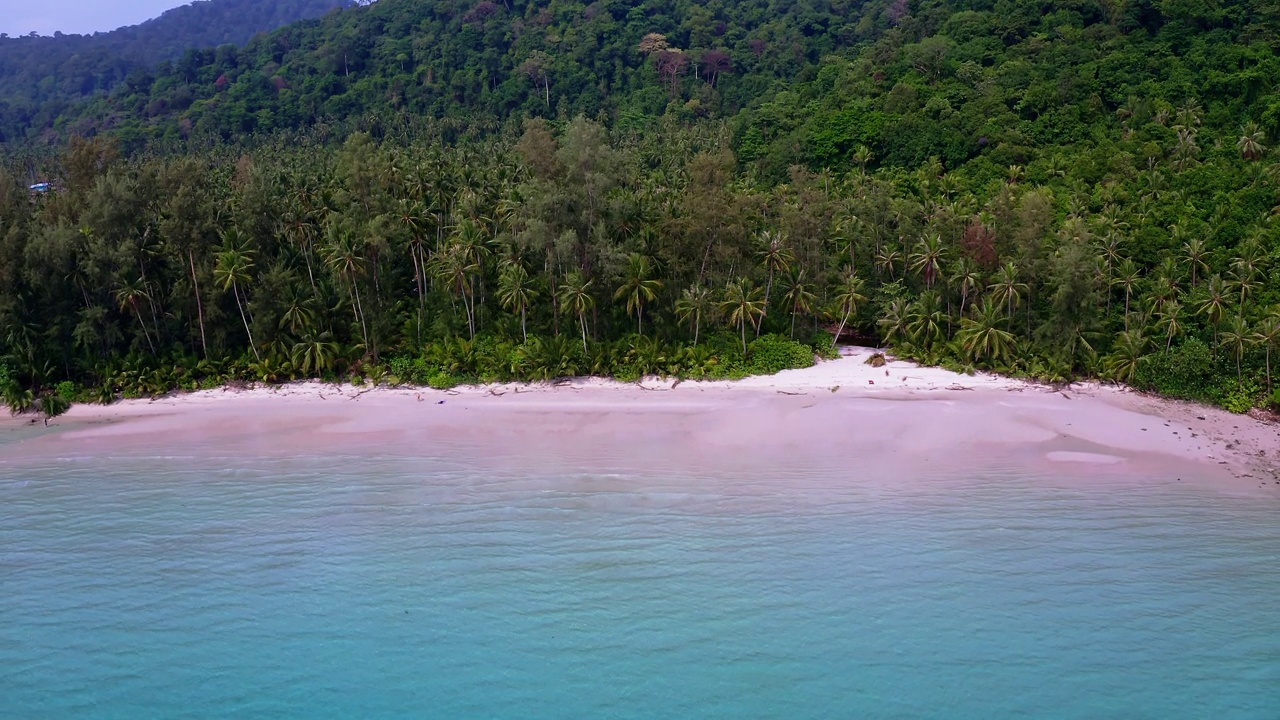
{"x":245,"y":319}
{"x":195,"y":284}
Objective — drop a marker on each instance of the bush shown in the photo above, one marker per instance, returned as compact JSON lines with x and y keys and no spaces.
{"x":67,"y":390}
{"x":1183,"y":372}
{"x":770,"y":354}
{"x":1239,"y":397}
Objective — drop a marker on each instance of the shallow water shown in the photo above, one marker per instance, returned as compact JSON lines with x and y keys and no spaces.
{"x":351,"y":587}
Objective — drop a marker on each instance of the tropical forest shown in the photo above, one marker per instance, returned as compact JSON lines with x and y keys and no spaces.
{"x":441,"y":192}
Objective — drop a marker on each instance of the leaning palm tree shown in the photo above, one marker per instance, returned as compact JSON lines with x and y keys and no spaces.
{"x":575,"y":297}
{"x":799,"y":296}
{"x":235,"y":266}
{"x":694,"y":305}
{"x":516,"y":292}
{"x":130,"y":296}
{"x":638,"y":287}
{"x":1267,"y":335}
{"x":848,"y":297}
{"x":742,"y":304}
{"x":981,"y":337}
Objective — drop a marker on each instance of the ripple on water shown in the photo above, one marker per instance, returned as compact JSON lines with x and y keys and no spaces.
{"x":383,"y":588}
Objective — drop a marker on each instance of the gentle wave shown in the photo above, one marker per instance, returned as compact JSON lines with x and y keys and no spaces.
{"x":382,"y":587}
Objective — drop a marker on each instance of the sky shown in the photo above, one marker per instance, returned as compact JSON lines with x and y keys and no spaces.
{"x":19,"y":17}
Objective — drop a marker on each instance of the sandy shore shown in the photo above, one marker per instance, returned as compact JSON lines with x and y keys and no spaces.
{"x":841,"y":413}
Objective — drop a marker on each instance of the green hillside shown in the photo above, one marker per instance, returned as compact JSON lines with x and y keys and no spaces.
{"x":445,"y":191}
{"x":40,"y":77}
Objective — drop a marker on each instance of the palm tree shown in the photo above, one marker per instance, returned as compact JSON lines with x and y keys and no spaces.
{"x":452,"y":265}
{"x":235,"y":266}
{"x":1194,"y":253}
{"x":1006,"y":289}
{"x":516,"y":292}
{"x":1244,"y":273}
{"x":925,"y":324}
{"x":981,"y":336}
{"x":887,"y":261}
{"x":799,"y":296}
{"x":129,"y":296}
{"x":1122,"y":365}
{"x":637,"y":287}
{"x":575,"y":297}
{"x":1250,"y":143}
{"x":694,"y":305}
{"x":1214,"y":306}
{"x":742,"y":304}
{"x":894,"y":323}
{"x":1267,"y":334}
{"x":1236,"y":337}
{"x":928,"y":257}
{"x":1127,"y":277}
{"x":775,"y":257}
{"x":346,"y":260}
{"x":968,"y":280}
{"x":848,"y":296}
{"x":314,"y":353}
{"x":1169,"y":317}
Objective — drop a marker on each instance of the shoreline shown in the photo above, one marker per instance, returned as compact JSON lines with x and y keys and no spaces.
{"x":840,"y":412}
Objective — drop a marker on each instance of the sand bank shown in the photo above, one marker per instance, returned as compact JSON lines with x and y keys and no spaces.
{"x":841,"y":413}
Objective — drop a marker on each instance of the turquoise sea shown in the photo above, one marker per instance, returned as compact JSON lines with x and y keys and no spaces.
{"x":349,"y":586}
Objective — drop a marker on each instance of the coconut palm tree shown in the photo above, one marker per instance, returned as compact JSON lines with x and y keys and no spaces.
{"x":1122,"y":364}
{"x":1169,"y":317}
{"x":1127,"y":277}
{"x":1267,"y":334}
{"x":928,"y":258}
{"x":1193,"y":252}
{"x":130,"y":296}
{"x":1214,"y":305}
{"x":315,"y":353}
{"x":925,"y":320}
{"x":981,"y":337}
{"x":848,"y":297}
{"x":1006,"y":289}
{"x":775,"y":257}
{"x":638,"y":287}
{"x":234,"y":267}
{"x":893,"y":326}
{"x":799,"y":296}
{"x":967,"y":279}
{"x":516,"y":292}
{"x":1250,"y":143}
{"x":693,"y":306}
{"x":1236,"y":338}
{"x":575,"y":297}
{"x":742,"y":304}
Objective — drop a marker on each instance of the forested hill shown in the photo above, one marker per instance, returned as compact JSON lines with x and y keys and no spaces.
{"x":40,"y":75}
{"x":446,"y":190}
{"x":909,"y":79}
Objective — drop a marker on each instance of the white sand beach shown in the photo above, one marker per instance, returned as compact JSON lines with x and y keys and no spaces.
{"x":842,"y":413}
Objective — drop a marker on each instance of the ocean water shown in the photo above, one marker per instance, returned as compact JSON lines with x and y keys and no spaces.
{"x":353,"y":587}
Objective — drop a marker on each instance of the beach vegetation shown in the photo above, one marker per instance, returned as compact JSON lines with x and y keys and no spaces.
{"x":443,"y":193}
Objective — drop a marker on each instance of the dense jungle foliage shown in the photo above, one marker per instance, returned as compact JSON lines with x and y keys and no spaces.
{"x":40,"y":77}
{"x":442,"y":191}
